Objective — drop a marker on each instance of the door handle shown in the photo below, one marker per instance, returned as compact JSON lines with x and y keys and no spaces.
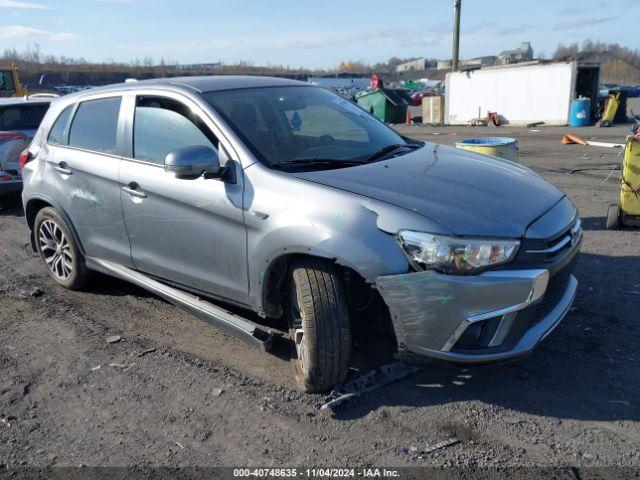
{"x":62,"y":168}
{"x":133,"y":189}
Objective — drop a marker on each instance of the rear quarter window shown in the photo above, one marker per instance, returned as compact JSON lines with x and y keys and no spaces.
{"x":58,"y":133}
{"x":95,"y":125}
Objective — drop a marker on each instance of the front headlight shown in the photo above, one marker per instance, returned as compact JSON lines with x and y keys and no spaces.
{"x":455,"y":255}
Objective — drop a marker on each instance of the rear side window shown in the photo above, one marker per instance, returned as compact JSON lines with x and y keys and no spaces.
{"x":22,"y":117}
{"x":162,"y":126}
{"x":95,"y":125}
{"x":58,"y":133}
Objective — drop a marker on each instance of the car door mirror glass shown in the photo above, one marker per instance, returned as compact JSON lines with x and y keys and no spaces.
{"x":193,"y":161}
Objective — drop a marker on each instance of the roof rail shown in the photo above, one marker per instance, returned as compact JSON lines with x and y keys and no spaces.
{"x":41,"y":95}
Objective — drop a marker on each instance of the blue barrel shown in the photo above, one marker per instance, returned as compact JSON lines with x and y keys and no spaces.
{"x":580,"y":112}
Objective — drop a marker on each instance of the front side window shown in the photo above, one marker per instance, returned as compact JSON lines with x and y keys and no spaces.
{"x":162,"y":126}
{"x":22,"y":117}
{"x":296,"y":124}
{"x":58,"y":133}
{"x":95,"y":125}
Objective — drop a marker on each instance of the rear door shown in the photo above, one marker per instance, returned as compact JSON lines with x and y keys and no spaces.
{"x":187,"y":231}
{"x":83,"y":168}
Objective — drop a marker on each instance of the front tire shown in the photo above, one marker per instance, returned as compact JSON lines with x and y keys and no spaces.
{"x":319,"y":325}
{"x":58,"y":250}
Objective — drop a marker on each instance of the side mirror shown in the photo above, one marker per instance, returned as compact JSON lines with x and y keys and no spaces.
{"x":193,"y":161}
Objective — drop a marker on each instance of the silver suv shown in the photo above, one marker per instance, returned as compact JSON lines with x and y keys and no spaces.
{"x":287,"y":201}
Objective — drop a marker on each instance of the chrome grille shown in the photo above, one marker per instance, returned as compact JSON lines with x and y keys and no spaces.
{"x":560,"y":244}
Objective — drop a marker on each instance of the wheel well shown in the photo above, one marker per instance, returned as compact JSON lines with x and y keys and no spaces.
{"x":32,"y":209}
{"x":274,"y":279}
{"x":30,"y":212}
{"x":276,"y":275}
{"x":367,"y":310}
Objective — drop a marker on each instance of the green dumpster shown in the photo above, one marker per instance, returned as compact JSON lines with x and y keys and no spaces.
{"x":386,"y":104}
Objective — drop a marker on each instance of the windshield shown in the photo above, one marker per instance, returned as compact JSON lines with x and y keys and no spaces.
{"x":302,"y":124}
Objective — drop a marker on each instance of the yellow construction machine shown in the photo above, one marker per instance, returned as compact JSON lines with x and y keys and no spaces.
{"x":10,"y":85}
{"x":627,"y":213}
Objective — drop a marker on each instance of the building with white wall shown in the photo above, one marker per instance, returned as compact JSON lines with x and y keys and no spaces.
{"x":520,"y":93}
{"x":524,"y":53}
{"x":418,"y":64}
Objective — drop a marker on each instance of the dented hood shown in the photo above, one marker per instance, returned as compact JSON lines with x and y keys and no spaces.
{"x":468,"y":193}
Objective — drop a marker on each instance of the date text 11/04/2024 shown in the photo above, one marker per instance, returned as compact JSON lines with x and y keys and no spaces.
{"x":315,"y":472}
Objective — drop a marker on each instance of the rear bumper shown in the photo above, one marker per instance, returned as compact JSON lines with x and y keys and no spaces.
{"x":514,"y":310}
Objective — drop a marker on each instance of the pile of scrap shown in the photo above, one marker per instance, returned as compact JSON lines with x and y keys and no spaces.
{"x":478,"y":122}
{"x":491,"y":120}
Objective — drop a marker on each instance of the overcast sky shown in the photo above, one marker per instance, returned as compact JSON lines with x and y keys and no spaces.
{"x":318,"y":33}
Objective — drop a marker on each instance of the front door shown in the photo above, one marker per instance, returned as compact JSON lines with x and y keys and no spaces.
{"x":188,"y":231}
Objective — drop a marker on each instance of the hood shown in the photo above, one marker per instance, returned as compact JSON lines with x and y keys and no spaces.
{"x":468,"y":193}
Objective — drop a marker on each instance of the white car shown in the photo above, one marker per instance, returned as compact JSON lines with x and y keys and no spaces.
{"x":20,"y":118}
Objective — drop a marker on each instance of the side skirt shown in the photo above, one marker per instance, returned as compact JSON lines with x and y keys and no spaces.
{"x":229,"y":322}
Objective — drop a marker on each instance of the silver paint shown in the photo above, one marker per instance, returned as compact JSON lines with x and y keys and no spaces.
{"x":223,"y":238}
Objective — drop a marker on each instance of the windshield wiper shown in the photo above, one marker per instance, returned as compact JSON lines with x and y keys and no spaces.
{"x":388,"y":149}
{"x":317,"y":161}
{"x":347,"y":162}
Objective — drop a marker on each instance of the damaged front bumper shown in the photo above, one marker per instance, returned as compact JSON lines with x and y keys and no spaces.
{"x":497,"y":315}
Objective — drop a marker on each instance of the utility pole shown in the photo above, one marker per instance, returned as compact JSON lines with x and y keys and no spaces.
{"x":456,"y":35}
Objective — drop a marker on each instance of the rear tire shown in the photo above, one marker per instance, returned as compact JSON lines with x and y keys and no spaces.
{"x":319,"y":325}
{"x":58,"y":250}
{"x":613,"y":217}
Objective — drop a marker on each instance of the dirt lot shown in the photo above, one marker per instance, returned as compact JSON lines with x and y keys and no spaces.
{"x":203,"y":398}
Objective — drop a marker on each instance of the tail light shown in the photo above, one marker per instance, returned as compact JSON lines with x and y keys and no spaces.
{"x":25,"y":157}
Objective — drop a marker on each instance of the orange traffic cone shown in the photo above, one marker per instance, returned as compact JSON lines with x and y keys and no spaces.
{"x":568,"y":139}
{"x":408,"y":120}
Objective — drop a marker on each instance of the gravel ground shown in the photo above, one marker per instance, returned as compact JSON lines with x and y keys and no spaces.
{"x":200,"y":398}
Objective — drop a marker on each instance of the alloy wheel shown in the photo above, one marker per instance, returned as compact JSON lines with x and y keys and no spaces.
{"x":56,"y":250}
